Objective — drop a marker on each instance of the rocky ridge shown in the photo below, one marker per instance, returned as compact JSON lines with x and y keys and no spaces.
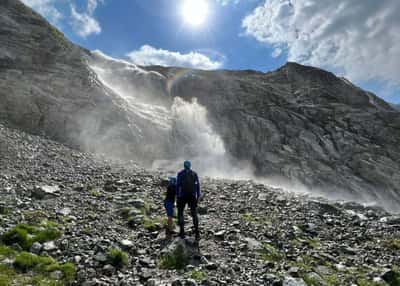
{"x":252,"y":234}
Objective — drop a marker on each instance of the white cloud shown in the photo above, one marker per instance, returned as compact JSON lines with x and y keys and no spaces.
{"x":359,"y":37}
{"x":46,"y":8}
{"x":148,"y":55}
{"x":276,"y":52}
{"x":84,"y":24}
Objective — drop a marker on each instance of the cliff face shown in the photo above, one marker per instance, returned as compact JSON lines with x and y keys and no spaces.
{"x":298,"y":122}
{"x":306,"y":124}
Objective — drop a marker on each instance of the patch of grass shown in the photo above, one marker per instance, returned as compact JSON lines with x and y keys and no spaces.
{"x":6,"y":275}
{"x":25,"y":235}
{"x":270,"y":253}
{"x":117,"y":257}
{"x":95,"y":193}
{"x":249,"y":217}
{"x":35,"y":216}
{"x":153,"y":224}
{"x":175,"y":260}
{"x":311,"y":281}
{"x":198,"y":275}
{"x":125,"y":212}
{"x":4,"y":210}
{"x":333,"y":280}
{"x":365,"y":282}
{"x":6,"y":251}
{"x":313,"y":243}
{"x":393,"y":244}
{"x":26,"y":261}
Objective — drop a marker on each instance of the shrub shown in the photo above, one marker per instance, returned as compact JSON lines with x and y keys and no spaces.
{"x":117,"y":257}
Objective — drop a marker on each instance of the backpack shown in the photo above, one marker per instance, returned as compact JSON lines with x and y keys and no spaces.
{"x":189,"y":183}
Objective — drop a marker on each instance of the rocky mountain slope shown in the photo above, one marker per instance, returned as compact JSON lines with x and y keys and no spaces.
{"x":101,"y":224}
{"x":298,"y":124}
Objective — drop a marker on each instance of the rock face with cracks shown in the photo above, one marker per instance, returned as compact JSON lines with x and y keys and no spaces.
{"x":298,"y":124}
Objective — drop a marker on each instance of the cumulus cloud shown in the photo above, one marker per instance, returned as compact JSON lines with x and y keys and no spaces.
{"x":84,"y":24}
{"x":46,"y":8}
{"x":360,"y":38}
{"x":148,"y":55}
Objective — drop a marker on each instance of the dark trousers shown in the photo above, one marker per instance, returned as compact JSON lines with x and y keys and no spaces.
{"x":191,"y":201}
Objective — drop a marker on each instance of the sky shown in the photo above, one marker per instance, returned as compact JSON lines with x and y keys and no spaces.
{"x":357,"y":39}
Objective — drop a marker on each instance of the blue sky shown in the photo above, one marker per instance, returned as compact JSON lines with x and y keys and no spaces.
{"x":358,"y":39}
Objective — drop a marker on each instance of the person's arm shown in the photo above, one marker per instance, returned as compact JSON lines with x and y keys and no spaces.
{"x":198,"y":193}
{"x":178,"y":185}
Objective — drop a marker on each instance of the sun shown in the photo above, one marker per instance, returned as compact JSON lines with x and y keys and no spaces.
{"x":195,"y":12}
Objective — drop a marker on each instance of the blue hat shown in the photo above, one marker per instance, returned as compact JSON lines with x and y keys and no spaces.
{"x":187,"y":164}
{"x":172,"y":180}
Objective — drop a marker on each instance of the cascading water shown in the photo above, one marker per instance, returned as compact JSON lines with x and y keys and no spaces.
{"x":172,"y":129}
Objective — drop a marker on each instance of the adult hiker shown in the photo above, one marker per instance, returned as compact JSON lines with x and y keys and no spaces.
{"x":169,"y":203}
{"x":188,"y":192}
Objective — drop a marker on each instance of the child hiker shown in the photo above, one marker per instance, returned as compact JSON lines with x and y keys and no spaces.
{"x":169,"y":203}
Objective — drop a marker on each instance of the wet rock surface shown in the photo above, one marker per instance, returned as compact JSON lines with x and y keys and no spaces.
{"x":283,"y":239}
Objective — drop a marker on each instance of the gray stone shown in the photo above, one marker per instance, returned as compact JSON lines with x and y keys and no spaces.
{"x":36,"y":247}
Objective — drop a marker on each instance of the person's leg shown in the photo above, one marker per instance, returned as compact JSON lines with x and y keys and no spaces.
{"x":193,"y":211}
{"x":181,"y":220}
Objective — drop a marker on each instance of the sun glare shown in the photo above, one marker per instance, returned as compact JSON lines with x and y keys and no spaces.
{"x":195,"y":12}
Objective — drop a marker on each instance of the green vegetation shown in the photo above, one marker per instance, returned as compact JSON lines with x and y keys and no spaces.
{"x":365,"y":282}
{"x":35,"y":216}
{"x":153,"y":224}
{"x":311,"y":281}
{"x":393,"y":244}
{"x":175,"y":260}
{"x":198,"y":275}
{"x":95,"y":193}
{"x":25,"y":235}
{"x":31,"y":269}
{"x":270,"y":253}
{"x":6,"y":251}
{"x":125,"y":212}
{"x":117,"y":257}
{"x":4,"y":210}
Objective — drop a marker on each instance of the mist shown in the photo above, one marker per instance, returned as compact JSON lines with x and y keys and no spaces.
{"x":169,"y":129}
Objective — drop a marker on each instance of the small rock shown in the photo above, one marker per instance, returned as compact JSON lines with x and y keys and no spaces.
{"x":100,"y":257}
{"x":57,"y":275}
{"x":49,"y":246}
{"x":108,"y":270}
{"x":36,"y":247}
{"x":126,"y":244}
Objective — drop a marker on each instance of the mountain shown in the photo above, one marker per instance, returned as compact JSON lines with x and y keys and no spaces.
{"x":299,"y":127}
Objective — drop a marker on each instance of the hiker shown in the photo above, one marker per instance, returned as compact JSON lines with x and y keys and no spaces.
{"x":169,"y":203}
{"x":188,"y":192}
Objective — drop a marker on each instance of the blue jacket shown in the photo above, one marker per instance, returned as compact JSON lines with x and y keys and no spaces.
{"x":179,"y":180}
